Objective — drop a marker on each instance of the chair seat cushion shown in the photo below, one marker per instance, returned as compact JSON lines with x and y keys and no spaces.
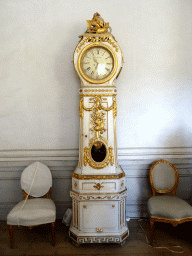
{"x":170,"y":207}
{"x":32,"y":212}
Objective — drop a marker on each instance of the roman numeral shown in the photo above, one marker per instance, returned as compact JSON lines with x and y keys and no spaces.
{"x":107,"y":69}
{"x":88,"y":68}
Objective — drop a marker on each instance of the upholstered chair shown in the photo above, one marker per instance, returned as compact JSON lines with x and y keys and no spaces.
{"x":164,"y":205}
{"x":37,"y":208}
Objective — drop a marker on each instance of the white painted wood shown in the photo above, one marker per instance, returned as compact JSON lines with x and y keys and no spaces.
{"x":88,"y":186}
{"x":99,"y":215}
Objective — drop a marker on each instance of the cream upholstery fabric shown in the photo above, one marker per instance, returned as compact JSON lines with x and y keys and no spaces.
{"x":36,"y":179}
{"x":163,"y":176}
{"x":170,"y":207}
{"x":35,"y":212}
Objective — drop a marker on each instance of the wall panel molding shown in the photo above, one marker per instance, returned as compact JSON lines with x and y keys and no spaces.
{"x":135,"y":162}
{"x":123,"y":153}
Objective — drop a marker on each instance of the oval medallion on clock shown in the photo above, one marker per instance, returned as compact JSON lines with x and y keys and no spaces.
{"x":98,"y":153}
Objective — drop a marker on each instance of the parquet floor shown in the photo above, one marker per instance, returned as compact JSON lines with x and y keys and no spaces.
{"x":38,"y":242}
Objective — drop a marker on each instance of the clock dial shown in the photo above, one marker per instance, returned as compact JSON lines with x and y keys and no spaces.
{"x":97,"y":63}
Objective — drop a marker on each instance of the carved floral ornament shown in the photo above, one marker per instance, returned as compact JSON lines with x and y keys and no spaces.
{"x":98,"y":99}
{"x":98,"y":127}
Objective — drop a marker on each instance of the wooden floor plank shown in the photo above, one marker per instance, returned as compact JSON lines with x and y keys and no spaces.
{"x":38,"y":241}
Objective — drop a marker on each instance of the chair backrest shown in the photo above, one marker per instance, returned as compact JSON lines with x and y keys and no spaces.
{"x":163,"y":177}
{"x":36,"y":179}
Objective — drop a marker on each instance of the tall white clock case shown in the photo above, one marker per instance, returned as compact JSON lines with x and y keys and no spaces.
{"x":98,"y":182}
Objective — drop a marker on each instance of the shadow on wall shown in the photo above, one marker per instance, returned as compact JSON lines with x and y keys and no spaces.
{"x":181,"y":137}
{"x":178,"y":152}
{"x":69,"y":84}
{"x":180,"y":144}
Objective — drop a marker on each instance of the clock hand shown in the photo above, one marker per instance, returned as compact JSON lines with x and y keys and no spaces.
{"x":96,"y":62}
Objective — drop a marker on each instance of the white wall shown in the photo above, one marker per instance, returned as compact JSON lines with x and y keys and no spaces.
{"x":39,"y":101}
{"x":39,"y":88}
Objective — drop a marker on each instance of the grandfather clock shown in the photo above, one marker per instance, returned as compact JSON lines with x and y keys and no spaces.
{"x":98,"y":182}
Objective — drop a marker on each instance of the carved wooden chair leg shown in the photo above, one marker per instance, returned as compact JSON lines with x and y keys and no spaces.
{"x":53,"y":233}
{"x":11,"y":236}
{"x":151,"y":232}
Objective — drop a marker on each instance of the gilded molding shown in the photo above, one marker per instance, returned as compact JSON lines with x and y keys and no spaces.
{"x":98,"y":177}
{"x":171,"y":221}
{"x":81,"y":107}
{"x":111,"y":157}
{"x":95,"y":39}
{"x":98,"y":90}
{"x":96,"y":197}
{"x":83,"y":42}
{"x":100,"y":196}
{"x":86,"y":156}
{"x":93,"y":95}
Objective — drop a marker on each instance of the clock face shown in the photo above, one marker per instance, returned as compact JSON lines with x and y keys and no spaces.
{"x":96,"y":64}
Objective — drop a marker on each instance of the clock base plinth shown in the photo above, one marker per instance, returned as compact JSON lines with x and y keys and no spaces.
{"x":98,"y":217}
{"x":79,"y":237}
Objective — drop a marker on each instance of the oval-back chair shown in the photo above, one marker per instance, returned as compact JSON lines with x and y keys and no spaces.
{"x":36,"y":182}
{"x":164,"y":205}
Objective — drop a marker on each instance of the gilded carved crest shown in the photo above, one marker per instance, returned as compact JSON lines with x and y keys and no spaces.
{"x":97,"y":25}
